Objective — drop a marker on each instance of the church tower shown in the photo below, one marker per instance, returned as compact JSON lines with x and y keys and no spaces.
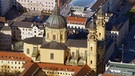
{"x":56,"y":27}
{"x":100,"y":22}
{"x":92,"y":46}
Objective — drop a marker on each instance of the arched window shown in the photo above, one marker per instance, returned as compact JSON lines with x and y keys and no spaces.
{"x":91,"y":62}
{"x":54,"y":37}
{"x":99,"y":34}
{"x":61,"y":37}
{"x":91,"y":48}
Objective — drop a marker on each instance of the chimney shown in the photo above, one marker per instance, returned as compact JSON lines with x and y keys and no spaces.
{"x":59,"y":2}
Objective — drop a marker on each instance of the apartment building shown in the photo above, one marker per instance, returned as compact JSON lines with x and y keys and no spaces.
{"x":22,"y":30}
{"x":37,"y":5}
{"x":117,"y":28}
{"x":12,"y":61}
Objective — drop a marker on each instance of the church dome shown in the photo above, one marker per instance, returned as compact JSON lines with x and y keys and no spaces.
{"x":56,"y":21}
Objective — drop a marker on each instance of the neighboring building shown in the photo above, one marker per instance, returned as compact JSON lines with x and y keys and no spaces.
{"x":12,"y":61}
{"x":114,"y":5}
{"x":22,"y":30}
{"x":109,"y":49}
{"x":4,"y":6}
{"x":56,"y":70}
{"x":116,"y":68}
{"x":117,"y":28}
{"x":76,"y":23}
{"x":5,"y":37}
{"x":32,"y":69}
{"x":108,"y":75}
{"x":55,"y":48}
{"x":36,"y":5}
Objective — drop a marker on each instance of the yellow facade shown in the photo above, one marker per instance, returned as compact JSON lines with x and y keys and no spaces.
{"x":58,"y":35}
{"x":100,"y":22}
{"x":58,"y":56}
{"x":11,"y":66}
{"x":92,"y":54}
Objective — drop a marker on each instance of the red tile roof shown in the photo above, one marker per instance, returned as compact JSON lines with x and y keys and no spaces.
{"x":49,"y":66}
{"x":30,"y":68}
{"x":17,"y":56}
{"x":2,"y":19}
{"x":110,"y":75}
{"x":76,"y":19}
{"x":83,"y":71}
{"x":79,"y":70}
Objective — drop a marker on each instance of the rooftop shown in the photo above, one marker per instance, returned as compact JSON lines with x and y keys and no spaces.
{"x":2,"y":19}
{"x":120,"y":68}
{"x":16,"y":56}
{"x":76,"y":43}
{"x":76,"y":19}
{"x":34,"y":40}
{"x":78,"y":70}
{"x":27,"y":24}
{"x":83,"y":3}
{"x":116,"y":22}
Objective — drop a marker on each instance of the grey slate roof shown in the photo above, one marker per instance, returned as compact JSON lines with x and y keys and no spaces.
{"x":27,"y":24}
{"x":6,"y":28}
{"x":54,"y":45}
{"x":76,"y":43}
{"x":34,"y":40}
{"x":116,"y":22}
{"x":95,"y":7}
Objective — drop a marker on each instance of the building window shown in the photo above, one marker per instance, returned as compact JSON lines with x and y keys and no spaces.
{"x":91,"y":62}
{"x":51,"y":56}
{"x":73,"y":54}
{"x":28,"y":51}
{"x":91,"y":48}
{"x":60,"y":36}
{"x":47,"y":35}
{"x":99,"y":34}
{"x":54,"y":37}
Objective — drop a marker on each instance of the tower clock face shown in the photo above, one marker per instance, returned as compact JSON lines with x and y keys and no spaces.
{"x":91,"y":44}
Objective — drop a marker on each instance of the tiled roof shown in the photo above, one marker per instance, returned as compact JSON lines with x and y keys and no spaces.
{"x":76,"y":43}
{"x":34,"y":40}
{"x":2,"y":19}
{"x":76,"y":19}
{"x":16,"y":56}
{"x":30,"y":69}
{"x":98,"y":4}
{"x":27,"y":24}
{"x":78,"y":70}
{"x":7,"y":28}
{"x":54,"y":45}
{"x":85,"y":70}
{"x":111,"y":75}
{"x":116,"y":23}
{"x":59,"y":67}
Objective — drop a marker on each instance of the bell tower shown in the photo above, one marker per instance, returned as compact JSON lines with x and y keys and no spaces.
{"x":92,"y":46}
{"x":100,"y":22}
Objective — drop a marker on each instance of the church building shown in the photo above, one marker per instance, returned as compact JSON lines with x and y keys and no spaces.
{"x":55,"y":48}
